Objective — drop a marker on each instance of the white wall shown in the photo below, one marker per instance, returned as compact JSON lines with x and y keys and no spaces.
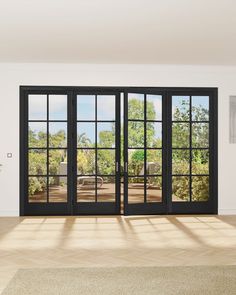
{"x":14,"y":75}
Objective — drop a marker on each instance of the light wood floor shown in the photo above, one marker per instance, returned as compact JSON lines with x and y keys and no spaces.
{"x":33,"y":242}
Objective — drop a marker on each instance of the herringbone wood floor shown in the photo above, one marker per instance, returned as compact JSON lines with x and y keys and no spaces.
{"x":34,"y":242}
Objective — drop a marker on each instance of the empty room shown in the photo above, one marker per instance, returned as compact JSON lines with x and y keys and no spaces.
{"x":118,"y":147}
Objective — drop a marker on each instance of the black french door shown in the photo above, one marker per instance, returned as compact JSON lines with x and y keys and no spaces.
{"x":80,"y":144}
{"x":97,"y":154}
{"x":46,"y":151}
{"x":170,"y":151}
{"x":70,"y":151}
{"x":145,"y":155}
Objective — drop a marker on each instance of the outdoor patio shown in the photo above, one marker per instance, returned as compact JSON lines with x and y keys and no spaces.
{"x":106,"y":193}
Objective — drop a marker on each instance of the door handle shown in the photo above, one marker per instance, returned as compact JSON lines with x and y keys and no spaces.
{"x":117,"y":166}
{"x":126,"y":167}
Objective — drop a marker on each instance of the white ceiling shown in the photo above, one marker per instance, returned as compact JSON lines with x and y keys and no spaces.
{"x":118,"y":31}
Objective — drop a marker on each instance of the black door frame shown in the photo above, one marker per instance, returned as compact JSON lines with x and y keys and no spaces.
{"x":69,"y":207}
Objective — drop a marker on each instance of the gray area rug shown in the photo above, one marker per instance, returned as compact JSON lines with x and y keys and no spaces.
{"x":124,"y":280}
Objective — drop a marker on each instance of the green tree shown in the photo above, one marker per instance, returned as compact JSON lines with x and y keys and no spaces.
{"x":136,"y":162}
{"x":57,"y":139}
{"x":200,"y":159}
{"x":86,"y":161}
{"x":83,"y":140}
{"x":38,"y":158}
{"x":106,"y":162}
{"x":106,"y":138}
{"x":135,"y":128}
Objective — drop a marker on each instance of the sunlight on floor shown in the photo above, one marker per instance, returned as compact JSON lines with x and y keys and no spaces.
{"x":118,"y":232}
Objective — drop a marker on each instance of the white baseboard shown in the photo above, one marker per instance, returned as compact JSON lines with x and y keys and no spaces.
{"x":227,"y":211}
{"x":9,"y":213}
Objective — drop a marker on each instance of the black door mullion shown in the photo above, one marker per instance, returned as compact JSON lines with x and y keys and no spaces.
{"x":96,"y":151}
{"x":126,"y":153}
{"x":47,"y":149}
{"x":167,"y":150}
{"x":213,"y":149}
{"x":72,"y":151}
{"x":145,"y":148}
{"x":190,"y":148}
{"x":117,"y":153}
{"x":24,"y":126}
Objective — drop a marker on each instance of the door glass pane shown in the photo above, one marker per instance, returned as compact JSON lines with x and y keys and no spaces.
{"x":85,"y":162}
{"x":180,"y":161}
{"x":86,"y":186}
{"x":106,"y":107}
{"x":106,"y":162}
{"x":106,"y":135}
{"x":136,"y":190}
{"x":136,"y":162}
{"x":58,"y":189}
{"x":37,"y":134}
{"x":136,"y":134}
{"x":106,"y":189}
{"x":200,"y":162}
{"x":200,"y":135}
{"x":154,"y":107}
{"x":200,"y":188}
{"x":154,"y":134}
{"x":57,"y":134}
{"x":200,"y":108}
{"x":180,"y":189}
{"x":37,"y":189}
{"x":154,"y":189}
{"x":58,"y":162}
{"x":86,"y":107}
{"x":57,"y":107}
{"x":85,"y":134}
{"x":180,"y":135}
{"x":154,"y":162}
{"x":37,"y":162}
{"x":180,"y":108}
{"x":37,"y":107}
{"x":135,"y":106}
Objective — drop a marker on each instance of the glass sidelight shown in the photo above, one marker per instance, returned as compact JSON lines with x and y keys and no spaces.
{"x":192,"y":154}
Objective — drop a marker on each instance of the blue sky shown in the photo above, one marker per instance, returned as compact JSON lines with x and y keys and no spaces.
{"x":57,"y":107}
{"x":86,"y":110}
{"x":86,"y":107}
